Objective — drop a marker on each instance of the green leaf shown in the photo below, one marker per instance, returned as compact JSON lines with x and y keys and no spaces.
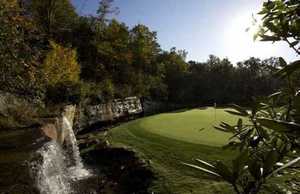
{"x":225,"y":127}
{"x":232,"y":145}
{"x":236,"y":113}
{"x":206,"y":164}
{"x":269,"y":38}
{"x":289,"y":69}
{"x":271,"y":158}
{"x":225,"y":172}
{"x":222,"y":129}
{"x":280,"y":126}
{"x":262,"y":12}
{"x":294,"y":43}
{"x":291,"y":163}
{"x":240,"y":124}
{"x":239,"y":163}
{"x":282,"y":62}
{"x":240,"y":109}
{"x":263,"y":133}
{"x":269,"y":5}
{"x":274,"y":95}
{"x":255,"y":169}
{"x":296,"y":113}
{"x":201,"y":169}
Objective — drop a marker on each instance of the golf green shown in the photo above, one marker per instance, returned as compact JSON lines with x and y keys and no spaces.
{"x":193,"y":126}
{"x":171,"y":138}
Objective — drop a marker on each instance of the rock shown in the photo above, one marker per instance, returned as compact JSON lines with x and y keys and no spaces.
{"x":87,"y":115}
{"x":18,"y":146}
{"x":123,"y":167}
{"x":54,"y":128}
{"x":50,"y":130}
{"x":16,"y":149}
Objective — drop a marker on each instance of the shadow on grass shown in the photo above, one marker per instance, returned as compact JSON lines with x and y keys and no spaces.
{"x":181,"y":110}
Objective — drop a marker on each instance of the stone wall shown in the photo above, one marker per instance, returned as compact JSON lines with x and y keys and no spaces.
{"x":88,"y":115}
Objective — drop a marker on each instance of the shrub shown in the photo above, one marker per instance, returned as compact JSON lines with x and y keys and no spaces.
{"x":18,"y":115}
{"x":60,"y":65}
{"x":63,"y":92}
{"x":61,"y":73}
{"x":123,"y":167}
{"x":19,"y":55}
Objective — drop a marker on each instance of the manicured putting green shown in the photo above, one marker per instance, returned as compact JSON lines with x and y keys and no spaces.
{"x":193,"y":126}
{"x":171,"y":138}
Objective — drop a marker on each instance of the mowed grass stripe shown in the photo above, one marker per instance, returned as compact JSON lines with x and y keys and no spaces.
{"x":193,"y":126}
{"x":171,"y":138}
{"x":166,"y":155}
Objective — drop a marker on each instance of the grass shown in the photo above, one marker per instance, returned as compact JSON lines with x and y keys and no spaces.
{"x":193,"y":126}
{"x":168,"y":139}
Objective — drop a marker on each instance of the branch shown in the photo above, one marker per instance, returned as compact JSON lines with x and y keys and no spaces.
{"x":293,"y":47}
{"x":236,"y":188}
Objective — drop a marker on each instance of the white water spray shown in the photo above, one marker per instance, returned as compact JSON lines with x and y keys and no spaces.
{"x":50,"y":171}
{"x":59,"y":167}
{"x":77,"y":170}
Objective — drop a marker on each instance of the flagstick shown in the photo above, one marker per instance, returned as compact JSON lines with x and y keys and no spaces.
{"x":215,"y":106}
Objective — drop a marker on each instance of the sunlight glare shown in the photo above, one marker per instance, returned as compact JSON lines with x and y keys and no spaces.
{"x":239,"y":39}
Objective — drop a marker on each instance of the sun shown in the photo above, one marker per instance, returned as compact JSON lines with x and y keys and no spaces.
{"x":239,"y":38}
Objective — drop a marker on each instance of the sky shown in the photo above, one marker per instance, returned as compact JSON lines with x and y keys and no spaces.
{"x":201,"y":27}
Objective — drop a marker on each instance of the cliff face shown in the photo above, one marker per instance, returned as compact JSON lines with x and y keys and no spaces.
{"x":20,"y":143}
{"x":88,"y":115}
{"x":54,"y":128}
{"x":21,"y":135}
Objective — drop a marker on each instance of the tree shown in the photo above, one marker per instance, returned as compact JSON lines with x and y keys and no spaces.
{"x":19,"y":50}
{"x":145,"y":49}
{"x":281,"y":22}
{"x":55,"y":17}
{"x":272,"y":137}
{"x":105,"y":9}
{"x":60,"y":65}
{"x":174,"y":74}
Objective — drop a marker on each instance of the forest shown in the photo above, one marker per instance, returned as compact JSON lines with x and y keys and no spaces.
{"x":50,"y":46}
{"x":75,"y":91}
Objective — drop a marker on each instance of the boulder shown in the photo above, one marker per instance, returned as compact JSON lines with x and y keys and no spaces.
{"x":55,"y":129}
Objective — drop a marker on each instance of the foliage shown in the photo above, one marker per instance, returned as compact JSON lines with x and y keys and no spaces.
{"x":132,"y":60}
{"x":105,"y":9}
{"x":54,"y":17}
{"x":270,"y":143}
{"x":60,"y":65}
{"x":63,"y":92}
{"x":61,"y":73}
{"x":120,"y":60}
{"x":19,"y":50}
{"x":17,"y":113}
{"x":270,"y":140}
{"x":125,"y":57}
{"x":175,"y":69}
{"x":218,"y":80}
{"x":123,"y":167}
{"x":281,"y":22}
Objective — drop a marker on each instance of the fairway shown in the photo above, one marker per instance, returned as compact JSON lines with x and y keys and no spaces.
{"x":168,"y":139}
{"x":193,"y":126}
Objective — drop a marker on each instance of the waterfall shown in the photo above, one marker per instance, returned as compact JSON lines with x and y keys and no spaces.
{"x":50,"y":170}
{"x":77,"y":170}
{"x":59,"y":166}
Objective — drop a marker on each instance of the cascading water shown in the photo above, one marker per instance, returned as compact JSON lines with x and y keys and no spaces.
{"x":59,"y":166}
{"x":76,"y":170}
{"x":50,"y":170}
